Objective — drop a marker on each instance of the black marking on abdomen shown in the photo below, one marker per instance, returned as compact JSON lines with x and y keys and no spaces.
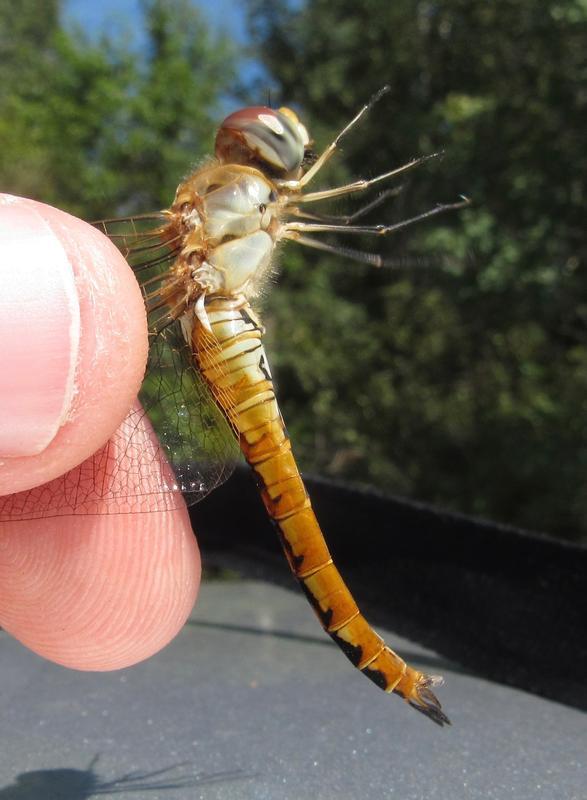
{"x":247,"y":319}
{"x":264,"y":367}
{"x":354,"y":652}
{"x":295,"y":561}
{"x":376,"y":676}
{"x":325,"y":617}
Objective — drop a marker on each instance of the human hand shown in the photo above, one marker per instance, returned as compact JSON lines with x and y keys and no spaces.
{"x":90,"y":591}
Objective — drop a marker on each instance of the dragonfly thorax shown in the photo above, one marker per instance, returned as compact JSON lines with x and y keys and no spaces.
{"x":227,"y":214}
{"x":227,"y":218}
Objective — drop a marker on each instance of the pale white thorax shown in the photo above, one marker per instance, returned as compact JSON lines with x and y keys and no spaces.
{"x":230,"y":211}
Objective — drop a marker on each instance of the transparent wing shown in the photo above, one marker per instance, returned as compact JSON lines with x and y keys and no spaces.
{"x":194,"y":434}
{"x":131,"y":473}
{"x":196,"y":438}
{"x":150,"y":249}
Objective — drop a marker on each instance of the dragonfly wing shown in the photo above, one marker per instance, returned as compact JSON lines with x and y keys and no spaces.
{"x":133,"y":472}
{"x":196,"y":438}
{"x":130,"y":473}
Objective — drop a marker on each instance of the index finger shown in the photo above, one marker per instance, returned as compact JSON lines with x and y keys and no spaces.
{"x":88,"y":590}
{"x":74,"y":342}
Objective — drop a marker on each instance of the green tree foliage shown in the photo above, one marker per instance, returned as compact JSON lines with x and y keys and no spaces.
{"x":25,"y":60}
{"x":461,"y":386}
{"x":103,"y":128}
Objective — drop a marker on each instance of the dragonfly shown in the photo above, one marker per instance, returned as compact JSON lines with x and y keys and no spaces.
{"x":203,"y":264}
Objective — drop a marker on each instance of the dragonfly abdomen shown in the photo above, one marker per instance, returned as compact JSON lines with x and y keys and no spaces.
{"x":232,"y":359}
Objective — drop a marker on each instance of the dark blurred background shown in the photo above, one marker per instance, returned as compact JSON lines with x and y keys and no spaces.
{"x":459,"y":378}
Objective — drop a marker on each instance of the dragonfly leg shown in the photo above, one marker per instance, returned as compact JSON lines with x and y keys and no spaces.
{"x":362,"y":184}
{"x":347,"y":219}
{"x":373,"y":259}
{"x":332,"y":147}
{"x":291,"y":230}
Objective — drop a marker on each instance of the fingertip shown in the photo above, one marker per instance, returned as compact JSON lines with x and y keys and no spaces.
{"x":74,"y":367}
{"x":99,"y":588}
{"x":102,"y":594}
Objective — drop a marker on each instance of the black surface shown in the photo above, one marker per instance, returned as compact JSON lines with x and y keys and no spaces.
{"x":506,"y":604}
{"x":252,"y":701}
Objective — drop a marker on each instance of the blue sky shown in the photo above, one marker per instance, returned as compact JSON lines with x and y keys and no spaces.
{"x":228,"y":15}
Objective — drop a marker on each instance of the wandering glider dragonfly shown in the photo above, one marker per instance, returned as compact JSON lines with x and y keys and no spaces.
{"x":201,"y":264}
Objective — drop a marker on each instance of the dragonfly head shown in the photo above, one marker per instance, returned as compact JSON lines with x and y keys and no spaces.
{"x":259,"y":136}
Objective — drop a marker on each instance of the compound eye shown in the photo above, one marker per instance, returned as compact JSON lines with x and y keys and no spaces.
{"x":261,"y":135}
